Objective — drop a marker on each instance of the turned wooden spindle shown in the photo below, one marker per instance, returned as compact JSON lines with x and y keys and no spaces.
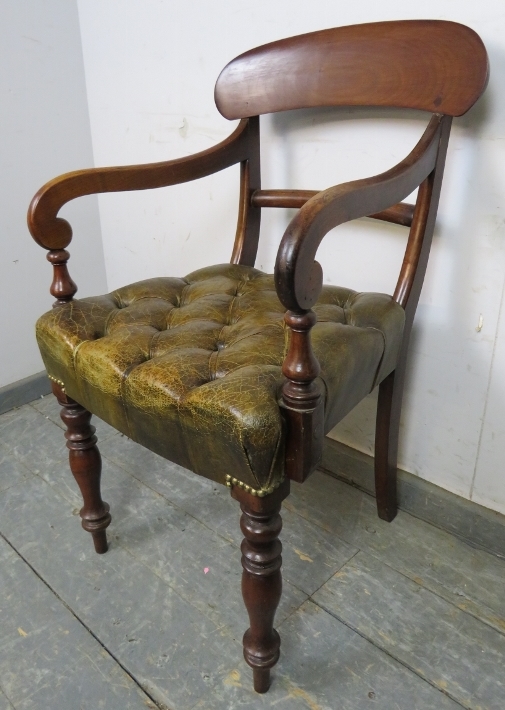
{"x":86,"y":466}
{"x":261,"y":548}
{"x":62,"y":288}
{"x":300,"y":366}
{"x":301,"y":397}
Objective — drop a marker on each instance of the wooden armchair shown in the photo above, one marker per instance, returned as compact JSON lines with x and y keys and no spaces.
{"x":236,"y":374}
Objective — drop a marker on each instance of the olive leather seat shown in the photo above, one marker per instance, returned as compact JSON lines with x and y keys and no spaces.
{"x":191,"y":367}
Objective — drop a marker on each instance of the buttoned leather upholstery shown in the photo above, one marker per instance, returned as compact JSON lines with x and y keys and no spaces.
{"x":191,"y":367}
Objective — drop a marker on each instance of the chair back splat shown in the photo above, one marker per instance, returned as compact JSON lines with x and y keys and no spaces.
{"x":236,"y":374}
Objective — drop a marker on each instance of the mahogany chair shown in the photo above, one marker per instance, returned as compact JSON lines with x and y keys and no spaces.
{"x":235,"y":374}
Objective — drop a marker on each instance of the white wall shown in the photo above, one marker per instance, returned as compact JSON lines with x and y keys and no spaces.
{"x":150,"y":72}
{"x":44,"y":131}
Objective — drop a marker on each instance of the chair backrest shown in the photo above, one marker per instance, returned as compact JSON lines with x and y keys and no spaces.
{"x":433,"y":65}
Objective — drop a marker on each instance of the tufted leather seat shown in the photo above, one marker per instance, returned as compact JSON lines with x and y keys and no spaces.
{"x":191,"y":368}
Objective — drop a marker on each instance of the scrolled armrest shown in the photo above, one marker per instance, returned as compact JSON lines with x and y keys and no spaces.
{"x":298,"y":277}
{"x":54,"y":233}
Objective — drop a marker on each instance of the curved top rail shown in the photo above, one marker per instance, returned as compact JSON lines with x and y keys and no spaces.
{"x":432,"y":65}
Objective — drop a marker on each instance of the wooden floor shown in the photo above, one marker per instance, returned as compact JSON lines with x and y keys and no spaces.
{"x":380,"y":616}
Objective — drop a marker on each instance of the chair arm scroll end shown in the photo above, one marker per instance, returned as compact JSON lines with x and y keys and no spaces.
{"x":48,"y":230}
{"x":54,"y":234}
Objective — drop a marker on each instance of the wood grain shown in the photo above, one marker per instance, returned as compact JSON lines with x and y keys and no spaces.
{"x":63,"y":288}
{"x":298,"y":277}
{"x":401,"y":213}
{"x":302,"y":400}
{"x":432,"y":65}
{"x":52,"y":232}
{"x":249,"y":216}
{"x":261,"y":525}
{"x":407,"y":292}
{"x":86,"y":466}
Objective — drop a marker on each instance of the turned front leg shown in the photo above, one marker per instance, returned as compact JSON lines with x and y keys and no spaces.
{"x":86,"y":466}
{"x":261,"y":524}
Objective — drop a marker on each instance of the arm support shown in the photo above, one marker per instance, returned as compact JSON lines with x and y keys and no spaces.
{"x":298,"y":280}
{"x":298,"y":277}
{"x":54,"y":233}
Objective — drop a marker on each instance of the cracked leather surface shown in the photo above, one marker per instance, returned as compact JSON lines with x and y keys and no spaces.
{"x":191,"y":368}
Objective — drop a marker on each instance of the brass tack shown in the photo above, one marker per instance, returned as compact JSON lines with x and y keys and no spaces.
{"x":260,"y":493}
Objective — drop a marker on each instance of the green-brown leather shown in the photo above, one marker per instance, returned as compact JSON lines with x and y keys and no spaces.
{"x":191,"y":368}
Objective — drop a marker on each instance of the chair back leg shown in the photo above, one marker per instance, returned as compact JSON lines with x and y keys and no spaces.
{"x":386,"y":442}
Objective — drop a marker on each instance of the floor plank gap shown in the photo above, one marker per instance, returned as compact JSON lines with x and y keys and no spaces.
{"x":155,"y":703}
{"x":390,"y":655}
